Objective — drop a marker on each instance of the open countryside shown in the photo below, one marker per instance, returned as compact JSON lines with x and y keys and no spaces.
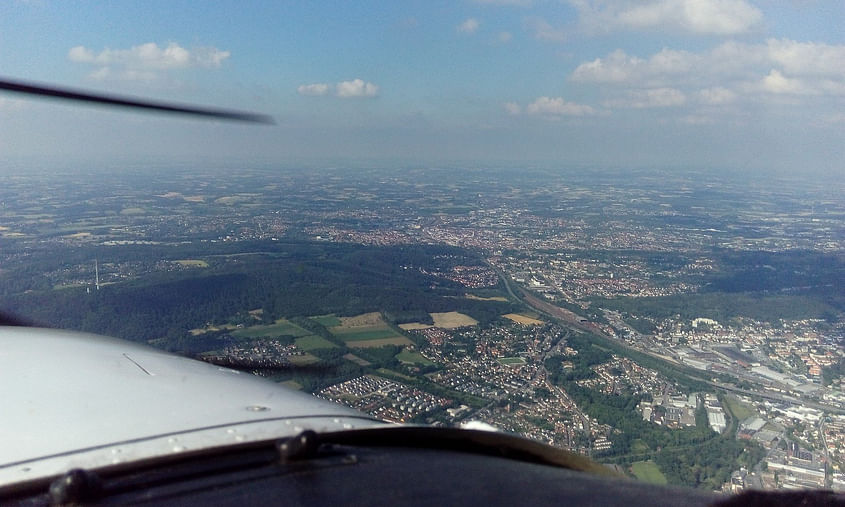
{"x":312,"y":342}
{"x":367,"y":330}
{"x":647,"y":471}
{"x":281,"y":327}
{"x":443,"y":320}
{"x":523,"y":319}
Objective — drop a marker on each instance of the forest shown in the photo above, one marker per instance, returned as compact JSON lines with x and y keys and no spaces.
{"x":285,"y":280}
{"x":764,"y":286}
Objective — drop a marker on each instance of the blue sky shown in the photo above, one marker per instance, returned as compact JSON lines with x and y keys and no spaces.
{"x":727,"y":84}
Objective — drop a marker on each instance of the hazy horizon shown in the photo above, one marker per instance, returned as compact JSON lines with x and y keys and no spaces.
{"x":715,"y":84}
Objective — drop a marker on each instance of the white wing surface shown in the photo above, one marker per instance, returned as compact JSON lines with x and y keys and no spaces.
{"x":80,"y":400}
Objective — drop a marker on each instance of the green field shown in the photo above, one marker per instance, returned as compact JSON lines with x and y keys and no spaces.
{"x":304,"y":359}
{"x":647,"y":471}
{"x":326,"y":320}
{"x":312,"y":342}
{"x":280,"y":328}
{"x":357,"y":360}
{"x":740,"y":410}
{"x":381,"y":342}
{"x":364,"y":333}
{"x":406,"y":356}
{"x":511,"y":360}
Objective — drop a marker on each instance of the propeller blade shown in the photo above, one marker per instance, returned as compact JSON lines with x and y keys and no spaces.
{"x":131,"y":102}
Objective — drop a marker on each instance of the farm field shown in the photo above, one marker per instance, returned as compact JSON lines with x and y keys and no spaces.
{"x":412,"y":326}
{"x":365,"y":319}
{"x":367,"y":330}
{"x":362,"y":344}
{"x":364,"y":333}
{"x":304,"y":359}
{"x":407,"y":356}
{"x":444,"y":320}
{"x":279,"y":328}
{"x":451,"y":320}
{"x":199,"y":331}
{"x":491,"y":298}
{"x":647,"y":471}
{"x":326,"y":321}
{"x":522,"y":319}
{"x":313,"y":342}
{"x":357,"y":360}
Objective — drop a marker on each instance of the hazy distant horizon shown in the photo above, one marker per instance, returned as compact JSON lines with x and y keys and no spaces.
{"x":740,"y":84}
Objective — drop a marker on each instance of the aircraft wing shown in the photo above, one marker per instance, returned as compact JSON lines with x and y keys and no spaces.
{"x":74,"y":400}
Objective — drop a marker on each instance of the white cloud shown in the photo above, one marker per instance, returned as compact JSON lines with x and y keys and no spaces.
{"x":807,"y":58}
{"x":716,"y":17}
{"x":725,"y":74}
{"x":542,"y":30}
{"x":345,"y":89}
{"x":151,"y":57}
{"x":776,"y":82}
{"x":649,"y":98}
{"x":505,"y":37}
{"x":356,"y":88}
{"x":548,"y":106}
{"x":716,"y":95}
{"x":81,"y":54}
{"x":512,"y":108}
{"x":145,"y":63}
{"x":619,"y":67}
{"x":469,"y":26}
{"x":313,"y":89}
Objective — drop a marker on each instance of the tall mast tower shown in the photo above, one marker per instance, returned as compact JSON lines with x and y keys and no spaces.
{"x":96,"y":274}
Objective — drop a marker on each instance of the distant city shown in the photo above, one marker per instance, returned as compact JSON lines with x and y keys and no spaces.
{"x":680,"y":327}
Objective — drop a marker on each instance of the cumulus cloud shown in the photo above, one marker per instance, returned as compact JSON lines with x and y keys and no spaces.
{"x":152,"y":57}
{"x":721,"y":75}
{"x":145,"y":62}
{"x":356,"y":88}
{"x":619,"y":67}
{"x":716,"y":95}
{"x":807,"y":58}
{"x":344,"y":89}
{"x":776,"y":82}
{"x":313,"y":89}
{"x":469,"y":26}
{"x":542,"y":30}
{"x":649,"y":98}
{"x":557,"y":106}
{"x":716,"y":17}
{"x":512,"y":108}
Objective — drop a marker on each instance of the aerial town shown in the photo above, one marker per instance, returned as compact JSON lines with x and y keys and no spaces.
{"x":645,"y":311}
